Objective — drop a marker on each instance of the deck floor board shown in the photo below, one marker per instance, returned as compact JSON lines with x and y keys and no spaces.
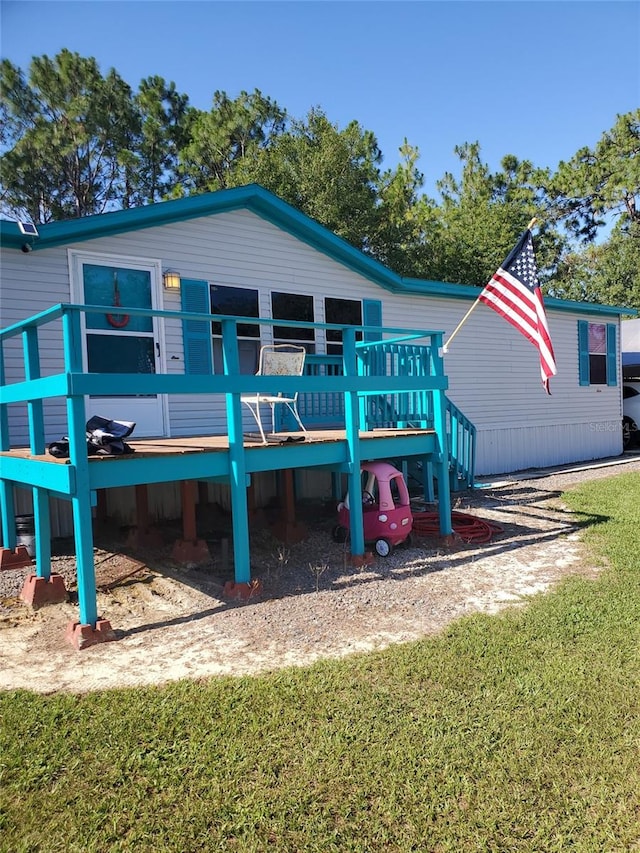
{"x":159,"y":447}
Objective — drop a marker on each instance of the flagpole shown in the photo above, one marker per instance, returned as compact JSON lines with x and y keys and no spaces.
{"x":445,"y":348}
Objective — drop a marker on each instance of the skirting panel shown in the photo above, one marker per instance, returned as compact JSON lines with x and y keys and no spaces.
{"x":502,"y":451}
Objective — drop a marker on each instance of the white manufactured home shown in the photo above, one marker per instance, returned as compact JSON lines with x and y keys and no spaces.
{"x":244,"y":252}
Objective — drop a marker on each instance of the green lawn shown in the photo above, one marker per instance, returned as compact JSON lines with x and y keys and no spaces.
{"x":518,"y":732}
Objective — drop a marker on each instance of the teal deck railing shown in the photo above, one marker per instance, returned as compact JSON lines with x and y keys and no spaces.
{"x":396,"y":382}
{"x":351,"y":387}
{"x":415,"y":408}
{"x":396,"y":358}
{"x":326,"y":408}
{"x":409,"y":409}
{"x":461,"y":440}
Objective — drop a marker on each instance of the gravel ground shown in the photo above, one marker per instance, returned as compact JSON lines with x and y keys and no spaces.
{"x":172,"y":623}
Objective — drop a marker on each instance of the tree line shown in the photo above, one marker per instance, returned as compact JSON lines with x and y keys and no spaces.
{"x":76,"y":142}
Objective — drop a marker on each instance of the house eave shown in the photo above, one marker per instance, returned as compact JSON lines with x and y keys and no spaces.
{"x":469,"y":292}
{"x":251,"y":197}
{"x":268,"y":206}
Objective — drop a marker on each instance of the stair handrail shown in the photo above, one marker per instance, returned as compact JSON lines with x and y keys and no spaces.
{"x":461,"y":440}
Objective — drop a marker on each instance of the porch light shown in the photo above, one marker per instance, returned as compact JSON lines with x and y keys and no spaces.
{"x":171,"y":279}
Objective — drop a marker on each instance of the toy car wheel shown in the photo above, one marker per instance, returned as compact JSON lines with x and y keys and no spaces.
{"x":339,"y":533}
{"x":383,"y":547}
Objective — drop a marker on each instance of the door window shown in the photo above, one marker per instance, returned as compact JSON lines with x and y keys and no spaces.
{"x":118,"y":342}
{"x":119,"y":354}
{"x":114,"y":286}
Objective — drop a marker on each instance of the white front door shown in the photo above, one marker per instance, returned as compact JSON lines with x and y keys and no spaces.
{"x":117,"y":342}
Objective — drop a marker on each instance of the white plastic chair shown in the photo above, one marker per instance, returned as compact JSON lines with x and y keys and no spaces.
{"x":277,"y":360}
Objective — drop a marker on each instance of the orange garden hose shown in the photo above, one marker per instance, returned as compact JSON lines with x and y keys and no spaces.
{"x":468,"y":527}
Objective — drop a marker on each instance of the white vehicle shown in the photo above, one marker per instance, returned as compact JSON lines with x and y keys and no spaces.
{"x":630,"y":413}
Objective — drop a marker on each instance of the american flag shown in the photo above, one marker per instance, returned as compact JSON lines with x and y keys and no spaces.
{"x":514,"y":293}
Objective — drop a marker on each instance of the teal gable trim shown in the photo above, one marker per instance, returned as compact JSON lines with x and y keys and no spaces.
{"x":583,"y":352}
{"x":251,"y":197}
{"x":612,"y":355}
{"x":196,"y":335}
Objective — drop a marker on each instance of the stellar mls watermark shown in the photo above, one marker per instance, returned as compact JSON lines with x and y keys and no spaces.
{"x":599,"y":426}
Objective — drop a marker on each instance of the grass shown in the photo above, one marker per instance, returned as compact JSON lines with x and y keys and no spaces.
{"x":518,"y":732}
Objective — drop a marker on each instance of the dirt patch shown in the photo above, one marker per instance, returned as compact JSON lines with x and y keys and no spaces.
{"x":173,"y":623}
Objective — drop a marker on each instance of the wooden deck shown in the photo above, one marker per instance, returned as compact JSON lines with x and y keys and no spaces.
{"x":394,"y":379}
{"x":210,"y":458}
{"x":161,"y":447}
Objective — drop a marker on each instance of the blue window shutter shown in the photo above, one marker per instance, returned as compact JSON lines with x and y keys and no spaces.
{"x":372,"y":316}
{"x":583,"y":352}
{"x":612,"y":355}
{"x":196,"y":335}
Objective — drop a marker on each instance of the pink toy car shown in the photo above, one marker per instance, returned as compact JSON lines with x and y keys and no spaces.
{"x":385,"y":507}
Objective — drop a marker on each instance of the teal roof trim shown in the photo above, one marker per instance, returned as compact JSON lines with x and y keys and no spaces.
{"x":470,"y":292}
{"x":427,"y":287}
{"x":252,"y":197}
{"x":588,"y":307}
{"x":268,"y":206}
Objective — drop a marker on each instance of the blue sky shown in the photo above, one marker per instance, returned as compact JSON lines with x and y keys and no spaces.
{"x":534,"y":78}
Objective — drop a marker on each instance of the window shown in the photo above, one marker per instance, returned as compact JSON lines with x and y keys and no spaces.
{"x":597,"y":353}
{"x":236,"y":302}
{"x":293,"y":306}
{"x":345,"y":312}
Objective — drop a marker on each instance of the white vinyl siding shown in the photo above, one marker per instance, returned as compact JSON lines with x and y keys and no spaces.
{"x":494,"y":375}
{"x":31,"y":283}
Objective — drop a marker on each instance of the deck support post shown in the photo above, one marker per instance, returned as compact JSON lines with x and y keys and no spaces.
{"x":256,"y":514}
{"x":336,"y":485}
{"x":352,"y":425}
{"x":101,"y":505}
{"x":8,"y":516}
{"x":286,"y":528}
{"x":11,"y":557}
{"x":427,"y":480}
{"x":81,"y":497}
{"x":190,"y":549}
{"x":143,"y":535}
{"x":35,"y":408}
{"x":42,"y":527}
{"x":203,"y":493}
{"x":7,"y":503}
{"x":442,"y":465}
{"x":237,"y":463}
